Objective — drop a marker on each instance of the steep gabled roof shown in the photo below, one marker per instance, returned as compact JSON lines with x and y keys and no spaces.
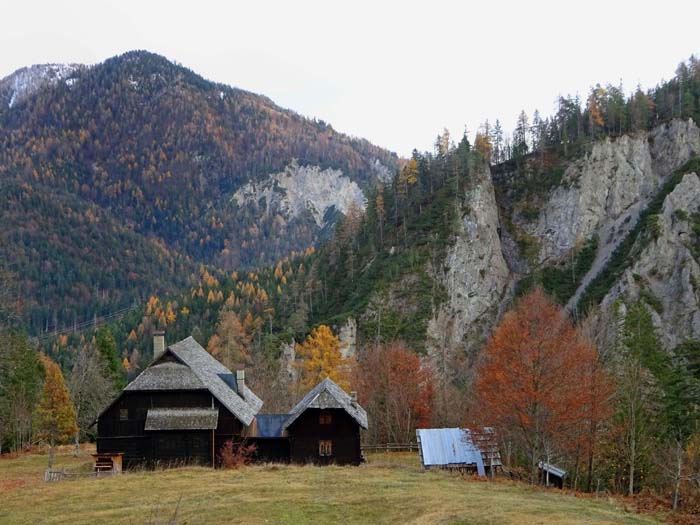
{"x":188,"y":366}
{"x":166,"y":375}
{"x":327,"y":394}
{"x":216,"y":378}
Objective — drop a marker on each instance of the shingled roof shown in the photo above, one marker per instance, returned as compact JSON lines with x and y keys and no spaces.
{"x":327,"y":394}
{"x":186,"y":365}
{"x":182,"y":419}
{"x":168,"y":375}
{"x":216,"y":378}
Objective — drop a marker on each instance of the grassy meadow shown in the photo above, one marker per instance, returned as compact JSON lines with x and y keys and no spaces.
{"x":389,"y":488}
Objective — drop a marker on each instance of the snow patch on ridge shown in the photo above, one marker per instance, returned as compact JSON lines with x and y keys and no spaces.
{"x":28,"y":80}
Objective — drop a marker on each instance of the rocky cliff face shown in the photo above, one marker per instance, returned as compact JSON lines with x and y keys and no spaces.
{"x":601,"y":194}
{"x":604,"y":192}
{"x":301,"y":190}
{"x":666,"y":275}
{"x":475,"y":275}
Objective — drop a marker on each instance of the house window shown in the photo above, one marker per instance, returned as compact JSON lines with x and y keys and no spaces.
{"x":123,"y":414}
{"x":325,"y":418}
{"x":325,"y":447}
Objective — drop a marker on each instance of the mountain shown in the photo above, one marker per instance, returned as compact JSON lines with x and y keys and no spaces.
{"x":104,"y":168}
{"x":25,"y":82}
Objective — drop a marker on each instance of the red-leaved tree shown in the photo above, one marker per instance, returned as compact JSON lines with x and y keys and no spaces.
{"x":539,"y":382}
{"x":396,"y":389}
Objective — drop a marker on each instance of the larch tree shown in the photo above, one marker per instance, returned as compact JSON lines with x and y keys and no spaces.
{"x":397,"y":391}
{"x":482,"y":141}
{"x":534,"y":380}
{"x":320,"y":357}
{"x":232,"y":340}
{"x":595,"y":107}
{"x":55,"y":414}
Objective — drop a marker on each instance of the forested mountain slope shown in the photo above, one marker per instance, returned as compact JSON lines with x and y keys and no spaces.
{"x":147,"y":153}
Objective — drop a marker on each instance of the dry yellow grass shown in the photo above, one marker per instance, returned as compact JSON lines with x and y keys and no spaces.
{"x":389,"y":489}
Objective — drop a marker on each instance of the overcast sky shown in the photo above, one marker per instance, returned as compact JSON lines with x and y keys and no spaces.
{"x":393,"y":72}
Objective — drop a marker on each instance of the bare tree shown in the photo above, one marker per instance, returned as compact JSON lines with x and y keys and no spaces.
{"x":91,"y":390}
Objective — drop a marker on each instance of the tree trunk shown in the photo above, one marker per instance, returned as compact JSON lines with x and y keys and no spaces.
{"x":679,"y":473}
{"x":633,"y":454}
{"x":51,"y":454}
{"x":76,"y":447}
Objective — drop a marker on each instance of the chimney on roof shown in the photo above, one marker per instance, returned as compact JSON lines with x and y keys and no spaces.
{"x":353,"y":397}
{"x":158,"y":344}
{"x":240,"y":379}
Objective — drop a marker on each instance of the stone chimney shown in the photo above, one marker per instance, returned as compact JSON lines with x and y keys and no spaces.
{"x":353,"y":397}
{"x":158,"y":344}
{"x":240,"y":379}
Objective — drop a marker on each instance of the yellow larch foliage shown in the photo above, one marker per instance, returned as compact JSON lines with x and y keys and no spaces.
{"x":169,"y":314}
{"x":151,"y":305}
{"x":320,"y":357}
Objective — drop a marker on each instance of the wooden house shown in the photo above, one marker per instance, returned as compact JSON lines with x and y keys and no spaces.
{"x":324,"y":427}
{"x":182,"y":408}
{"x":185,"y":405}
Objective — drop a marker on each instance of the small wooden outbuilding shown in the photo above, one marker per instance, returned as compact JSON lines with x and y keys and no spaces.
{"x":449,"y":448}
{"x":551,"y":475}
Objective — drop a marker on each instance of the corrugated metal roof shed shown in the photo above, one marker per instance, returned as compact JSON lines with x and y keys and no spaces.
{"x":447,"y":447}
{"x":182,"y":418}
{"x":552,"y":469}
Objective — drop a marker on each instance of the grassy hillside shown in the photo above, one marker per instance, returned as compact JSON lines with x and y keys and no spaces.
{"x":389,"y":489}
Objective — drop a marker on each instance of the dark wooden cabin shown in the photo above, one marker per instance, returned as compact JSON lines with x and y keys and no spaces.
{"x":182,"y":408}
{"x":324,"y":427}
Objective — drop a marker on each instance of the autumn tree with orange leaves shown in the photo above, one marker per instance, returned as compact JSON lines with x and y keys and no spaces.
{"x":320,"y":357}
{"x":231,"y":344}
{"x":539,"y":382}
{"x":55,"y":414}
{"x":396,"y":389}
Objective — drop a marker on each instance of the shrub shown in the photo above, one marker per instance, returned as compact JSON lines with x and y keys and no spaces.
{"x":234,"y":455}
